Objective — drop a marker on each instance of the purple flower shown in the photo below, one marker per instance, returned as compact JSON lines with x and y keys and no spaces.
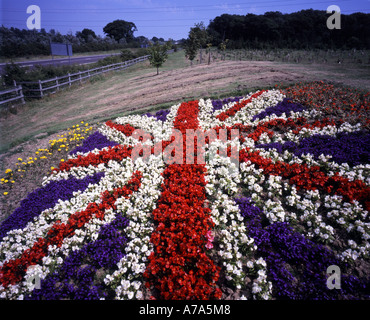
{"x":218,"y":104}
{"x":159,"y":115}
{"x":96,"y":140}
{"x":76,"y":278}
{"x":44,"y":198}
{"x":283,"y":107}
{"x":295,"y":265}
{"x":347,"y":147}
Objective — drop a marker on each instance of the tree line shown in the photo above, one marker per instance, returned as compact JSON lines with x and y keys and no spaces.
{"x":306,"y":29}
{"x":119,"y":34}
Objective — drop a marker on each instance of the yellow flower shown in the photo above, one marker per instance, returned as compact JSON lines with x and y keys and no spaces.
{"x":5,"y":193}
{"x":52,"y":168}
{"x":62,"y":160}
{"x":12,"y":181}
{"x":8,"y":170}
{"x":6,"y":181}
{"x":20,"y":159}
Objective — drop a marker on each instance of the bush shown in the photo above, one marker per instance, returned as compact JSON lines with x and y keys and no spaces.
{"x":127,"y":54}
{"x":107,"y":61}
{"x":13,"y":72}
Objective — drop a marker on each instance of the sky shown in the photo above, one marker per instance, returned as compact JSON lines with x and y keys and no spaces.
{"x":161,"y":18}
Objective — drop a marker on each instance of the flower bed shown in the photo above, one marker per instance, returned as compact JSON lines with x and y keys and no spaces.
{"x":267,"y":226}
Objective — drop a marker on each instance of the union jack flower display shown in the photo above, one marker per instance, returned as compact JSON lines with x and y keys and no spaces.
{"x":253,"y":197}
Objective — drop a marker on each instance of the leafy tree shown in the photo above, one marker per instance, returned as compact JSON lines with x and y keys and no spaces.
{"x":305,"y":29}
{"x":201,"y":35}
{"x":191,"y":48}
{"x":198,"y":38}
{"x":158,"y":55}
{"x":120,"y":29}
{"x":86,"y":34}
{"x":222,"y":47}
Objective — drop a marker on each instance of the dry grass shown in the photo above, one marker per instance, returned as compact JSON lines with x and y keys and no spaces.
{"x":139,"y":89}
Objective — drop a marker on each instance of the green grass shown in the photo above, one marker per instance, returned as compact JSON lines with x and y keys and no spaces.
{"x":48,"y":57}
{"x":91,"y":101}
{"x":38,"y":116}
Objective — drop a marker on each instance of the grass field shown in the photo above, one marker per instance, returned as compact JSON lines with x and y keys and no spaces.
{"x":138,"y":89}
{"x":47,"y":57}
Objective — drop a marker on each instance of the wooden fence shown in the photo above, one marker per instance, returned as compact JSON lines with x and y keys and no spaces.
{"x":41,"y":88}
{"x":11,"y":95}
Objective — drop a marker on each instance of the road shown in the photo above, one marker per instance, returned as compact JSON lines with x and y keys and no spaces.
{"x":60,"y":61}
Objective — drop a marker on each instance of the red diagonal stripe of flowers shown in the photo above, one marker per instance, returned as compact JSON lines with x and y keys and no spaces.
{"x":179,"y":266}
{"x":305,"y":177}
{"x":311,"y":178}
{"x":126,"y":129}
{"x":238,"y":106}
{"x":116,"y":153}
{"x":13,"y":271}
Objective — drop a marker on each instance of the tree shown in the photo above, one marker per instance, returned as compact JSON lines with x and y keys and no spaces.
{"x":120,"y":29}
{"x":202,"y":37}
{"x":198,"y":39}
{"x":158,"y":55}
{"x":191,"y":49}
{"x":86,"y":34}
{"x":222,"y":47}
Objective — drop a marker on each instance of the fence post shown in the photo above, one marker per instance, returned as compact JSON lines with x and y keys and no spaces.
{"x":20,"y":89}
{"x":69,"y":79}
{"x":79,"y":76}
{"x":40,"y":87}
{"x":21,"y":94}
{"x":56,"y":80}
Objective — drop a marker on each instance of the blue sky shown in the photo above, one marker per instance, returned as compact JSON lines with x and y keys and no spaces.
{"x":160,"y":18}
